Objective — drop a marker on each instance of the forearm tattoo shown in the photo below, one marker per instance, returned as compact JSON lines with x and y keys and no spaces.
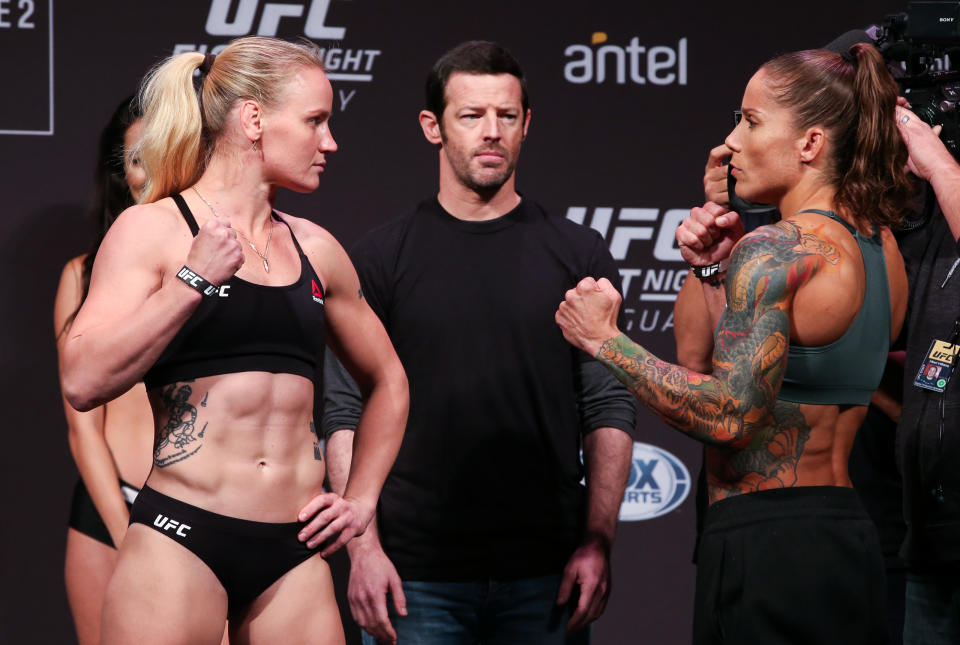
{"x":736,"y":408}
{"x":175,"y":440}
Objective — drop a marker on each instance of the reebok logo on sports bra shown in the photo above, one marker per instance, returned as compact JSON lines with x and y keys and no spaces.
{"x":317,"y":292}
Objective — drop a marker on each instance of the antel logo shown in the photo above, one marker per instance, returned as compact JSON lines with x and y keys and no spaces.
{"x":634,"y":63}
{"x":658,"y":483}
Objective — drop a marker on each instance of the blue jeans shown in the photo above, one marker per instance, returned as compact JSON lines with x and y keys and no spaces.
{"x":488,"y":612}
{"x":932,"y":612}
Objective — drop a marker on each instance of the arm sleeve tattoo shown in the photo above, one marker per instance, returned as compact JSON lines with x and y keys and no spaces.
{"x":736,"y":406}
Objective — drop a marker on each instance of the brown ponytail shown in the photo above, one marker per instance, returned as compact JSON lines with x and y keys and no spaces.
{"x":855,"y":102}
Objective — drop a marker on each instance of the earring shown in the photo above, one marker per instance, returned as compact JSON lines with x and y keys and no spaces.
{"x":256,"y":143}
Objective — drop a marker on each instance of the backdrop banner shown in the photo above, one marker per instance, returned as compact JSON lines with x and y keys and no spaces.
{"x":627,"y":100}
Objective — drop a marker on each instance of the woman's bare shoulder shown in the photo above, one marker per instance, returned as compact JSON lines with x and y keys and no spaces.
{"x":146,"y":233}
{"x":328,"y":257}
{"x":308,"y":232}
{"x":155,"y":217}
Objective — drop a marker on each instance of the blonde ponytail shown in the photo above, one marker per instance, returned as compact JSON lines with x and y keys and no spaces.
{"x":172,"y":149}
{"x":179,"y":136}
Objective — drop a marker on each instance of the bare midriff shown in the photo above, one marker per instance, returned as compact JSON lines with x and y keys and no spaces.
{"x":240,"y":445}
{"x":822,"y":461}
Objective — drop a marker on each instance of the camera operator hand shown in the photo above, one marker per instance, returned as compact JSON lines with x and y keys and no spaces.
{"x":928,"y":155}
{"x":930,"y":160}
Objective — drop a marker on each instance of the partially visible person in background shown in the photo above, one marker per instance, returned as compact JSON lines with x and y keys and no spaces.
{"x":927,"y":439}
{"x":112,"y":444}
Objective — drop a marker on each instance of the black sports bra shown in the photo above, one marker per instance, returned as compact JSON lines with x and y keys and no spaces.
{"x":248,"y":327}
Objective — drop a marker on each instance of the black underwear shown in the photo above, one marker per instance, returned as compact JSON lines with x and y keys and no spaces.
{"x":85,"y":517}
{"x":247,"y":557}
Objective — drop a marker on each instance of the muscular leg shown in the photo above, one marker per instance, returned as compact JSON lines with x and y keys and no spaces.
{"x":87,"y":570}
{"x":162,"y":594}
{"x":298,"y":609}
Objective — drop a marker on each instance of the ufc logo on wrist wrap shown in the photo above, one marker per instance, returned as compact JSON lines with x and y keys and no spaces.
{"x":197,"y":282}
{"x":711,"y":271}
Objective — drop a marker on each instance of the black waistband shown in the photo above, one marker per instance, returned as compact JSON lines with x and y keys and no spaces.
{"x":780,"y":503}
{"x":150,"y":502}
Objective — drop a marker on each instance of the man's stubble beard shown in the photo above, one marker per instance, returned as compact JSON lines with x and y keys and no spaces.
{"x":460,"y":163}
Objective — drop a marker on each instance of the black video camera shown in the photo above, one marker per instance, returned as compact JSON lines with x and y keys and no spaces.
{"x":920,"y":44}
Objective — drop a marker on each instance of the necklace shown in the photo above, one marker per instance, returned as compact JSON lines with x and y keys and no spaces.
{"x":266,"y":248}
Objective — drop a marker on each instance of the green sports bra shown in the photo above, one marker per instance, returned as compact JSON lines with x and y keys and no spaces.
{"x":848,"y":370}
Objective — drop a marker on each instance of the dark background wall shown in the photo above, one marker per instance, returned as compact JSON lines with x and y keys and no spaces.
{"x":623,"y":156}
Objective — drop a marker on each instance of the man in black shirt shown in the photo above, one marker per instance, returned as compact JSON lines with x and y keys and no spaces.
{"x":928,"y":436}
{"x":485,"y":533}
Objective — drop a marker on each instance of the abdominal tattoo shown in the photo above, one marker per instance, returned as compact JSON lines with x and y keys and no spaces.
{"x":317,"y":450}
{"x":735,"y":409}
{"x":174,"y":441}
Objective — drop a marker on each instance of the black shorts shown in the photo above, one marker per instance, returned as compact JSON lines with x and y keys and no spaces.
{"x":247,"y":557}
{"x":797,"y":565}
{"x":84,"y":516}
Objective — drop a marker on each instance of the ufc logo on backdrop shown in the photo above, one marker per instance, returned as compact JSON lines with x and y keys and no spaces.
{"x":219,"y":22}
{"x":661,"y":228}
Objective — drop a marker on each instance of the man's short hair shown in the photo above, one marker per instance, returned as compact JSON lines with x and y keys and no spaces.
{"x":471,"y":57}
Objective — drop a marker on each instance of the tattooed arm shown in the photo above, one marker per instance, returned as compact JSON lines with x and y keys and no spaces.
{"x":730,"y":406}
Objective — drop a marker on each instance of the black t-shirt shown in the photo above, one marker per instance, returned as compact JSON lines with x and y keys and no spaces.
{"x":487,"y":483}
{"x":930,"y":462}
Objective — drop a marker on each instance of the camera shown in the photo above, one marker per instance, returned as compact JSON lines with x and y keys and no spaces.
{"x":918,"y":46}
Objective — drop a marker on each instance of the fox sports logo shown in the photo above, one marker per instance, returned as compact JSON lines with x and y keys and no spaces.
{"x":658,"y":483}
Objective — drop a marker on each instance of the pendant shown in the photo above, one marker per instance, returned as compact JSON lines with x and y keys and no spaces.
{"x":266,"y":267}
